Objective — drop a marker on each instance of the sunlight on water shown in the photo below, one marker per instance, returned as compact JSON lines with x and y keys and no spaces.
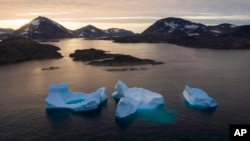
{"x":221,"y":73}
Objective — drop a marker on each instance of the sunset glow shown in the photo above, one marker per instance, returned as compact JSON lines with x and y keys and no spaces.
{"x":133,"y":15}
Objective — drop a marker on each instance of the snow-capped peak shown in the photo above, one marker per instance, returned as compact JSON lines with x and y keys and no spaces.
{"x":44,"y":28}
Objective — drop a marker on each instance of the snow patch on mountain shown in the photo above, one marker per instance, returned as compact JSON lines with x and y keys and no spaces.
{"x":92,"y":30}
{"x":171,"y":24}
{"x":215,"y":31}
{"x":233,"y":26}
{"x":193,"y":34}
{"x":24,"y":33}
{"x":191,"y":26}
{"x":116,"y":30}
{"x":36,"y":22}
{"x":26,"y":29}
{"x":37,"y":32}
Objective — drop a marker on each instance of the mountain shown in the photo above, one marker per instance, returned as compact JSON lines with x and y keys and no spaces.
{"x":186,"y":33}
{"x":6,"y":31}
{"x":240,"y":32}
{"x":90,"y":32}
{"x":222,"y":28}
{"x":117,"y":32}
{"x":19,"y":49}
{"x":44,"y":28}
{"x":176,"y":27}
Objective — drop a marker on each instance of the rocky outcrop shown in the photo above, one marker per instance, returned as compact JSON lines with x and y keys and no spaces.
{"x":124,"y":60}
{"x":101,"y":58}
{"x":14,"y":50}
{"x":90,"y":55}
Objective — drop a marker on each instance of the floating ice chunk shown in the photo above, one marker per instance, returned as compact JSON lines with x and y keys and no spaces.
{"x":199,"y":98}
{"x":132,"y":99}
{"x":120,"y":87}
{"x":126,"y":107}
{"x":60,"y":97}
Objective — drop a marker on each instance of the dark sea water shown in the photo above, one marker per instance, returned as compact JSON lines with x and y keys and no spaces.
{"x":223,"y":74}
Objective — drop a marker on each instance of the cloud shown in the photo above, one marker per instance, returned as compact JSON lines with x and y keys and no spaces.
{"x":122,"y":11}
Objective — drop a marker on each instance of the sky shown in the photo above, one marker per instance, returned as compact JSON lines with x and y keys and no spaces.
{"x":135,"y":15}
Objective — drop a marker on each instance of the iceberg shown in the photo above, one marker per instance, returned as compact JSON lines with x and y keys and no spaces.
{"x":126,"y":107}
{"x":198,"y":98}
{"x":60,"y":97}
{"x":133,"y":99}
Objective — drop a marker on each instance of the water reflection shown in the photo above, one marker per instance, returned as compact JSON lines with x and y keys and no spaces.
{"x":61,"y":114}
{"x":160,"y":115}
{"x":58,"y":114}
{"x":205,"y":111}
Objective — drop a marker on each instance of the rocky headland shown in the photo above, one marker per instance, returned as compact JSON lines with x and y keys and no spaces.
{"x":19,"y":49}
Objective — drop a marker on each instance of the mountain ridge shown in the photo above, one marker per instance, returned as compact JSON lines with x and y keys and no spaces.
{"x":167,"y":30}
{"x":186,"y":33}
{"x":42,"y":28}
{"x":92,"y":32}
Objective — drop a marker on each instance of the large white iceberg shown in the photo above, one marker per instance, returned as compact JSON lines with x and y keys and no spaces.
{"x":60,"y":97}
{"x":132,"y":99}
{"x":198,"y":98}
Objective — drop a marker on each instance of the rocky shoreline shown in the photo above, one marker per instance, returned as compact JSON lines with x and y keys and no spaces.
{"x":218,"y":42}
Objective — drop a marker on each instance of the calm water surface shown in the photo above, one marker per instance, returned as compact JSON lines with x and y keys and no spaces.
{"x":224,"y":74}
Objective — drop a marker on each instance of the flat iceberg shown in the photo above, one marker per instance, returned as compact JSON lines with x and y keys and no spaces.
{"x":133,"y":99}
{"x":198,"y":98}
{"x":60,"y":97}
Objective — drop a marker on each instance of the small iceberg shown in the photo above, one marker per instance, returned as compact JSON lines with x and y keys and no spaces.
{"x":132,"y":99}
{"x":60,"y":97}
{"x":198,"y":98}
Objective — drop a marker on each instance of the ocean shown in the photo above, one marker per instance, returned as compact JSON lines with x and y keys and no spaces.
{"x":223,"y":74}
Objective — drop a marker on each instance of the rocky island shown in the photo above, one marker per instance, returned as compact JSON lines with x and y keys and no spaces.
{"x":101,"y":58}
{"x":19,"y":49}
